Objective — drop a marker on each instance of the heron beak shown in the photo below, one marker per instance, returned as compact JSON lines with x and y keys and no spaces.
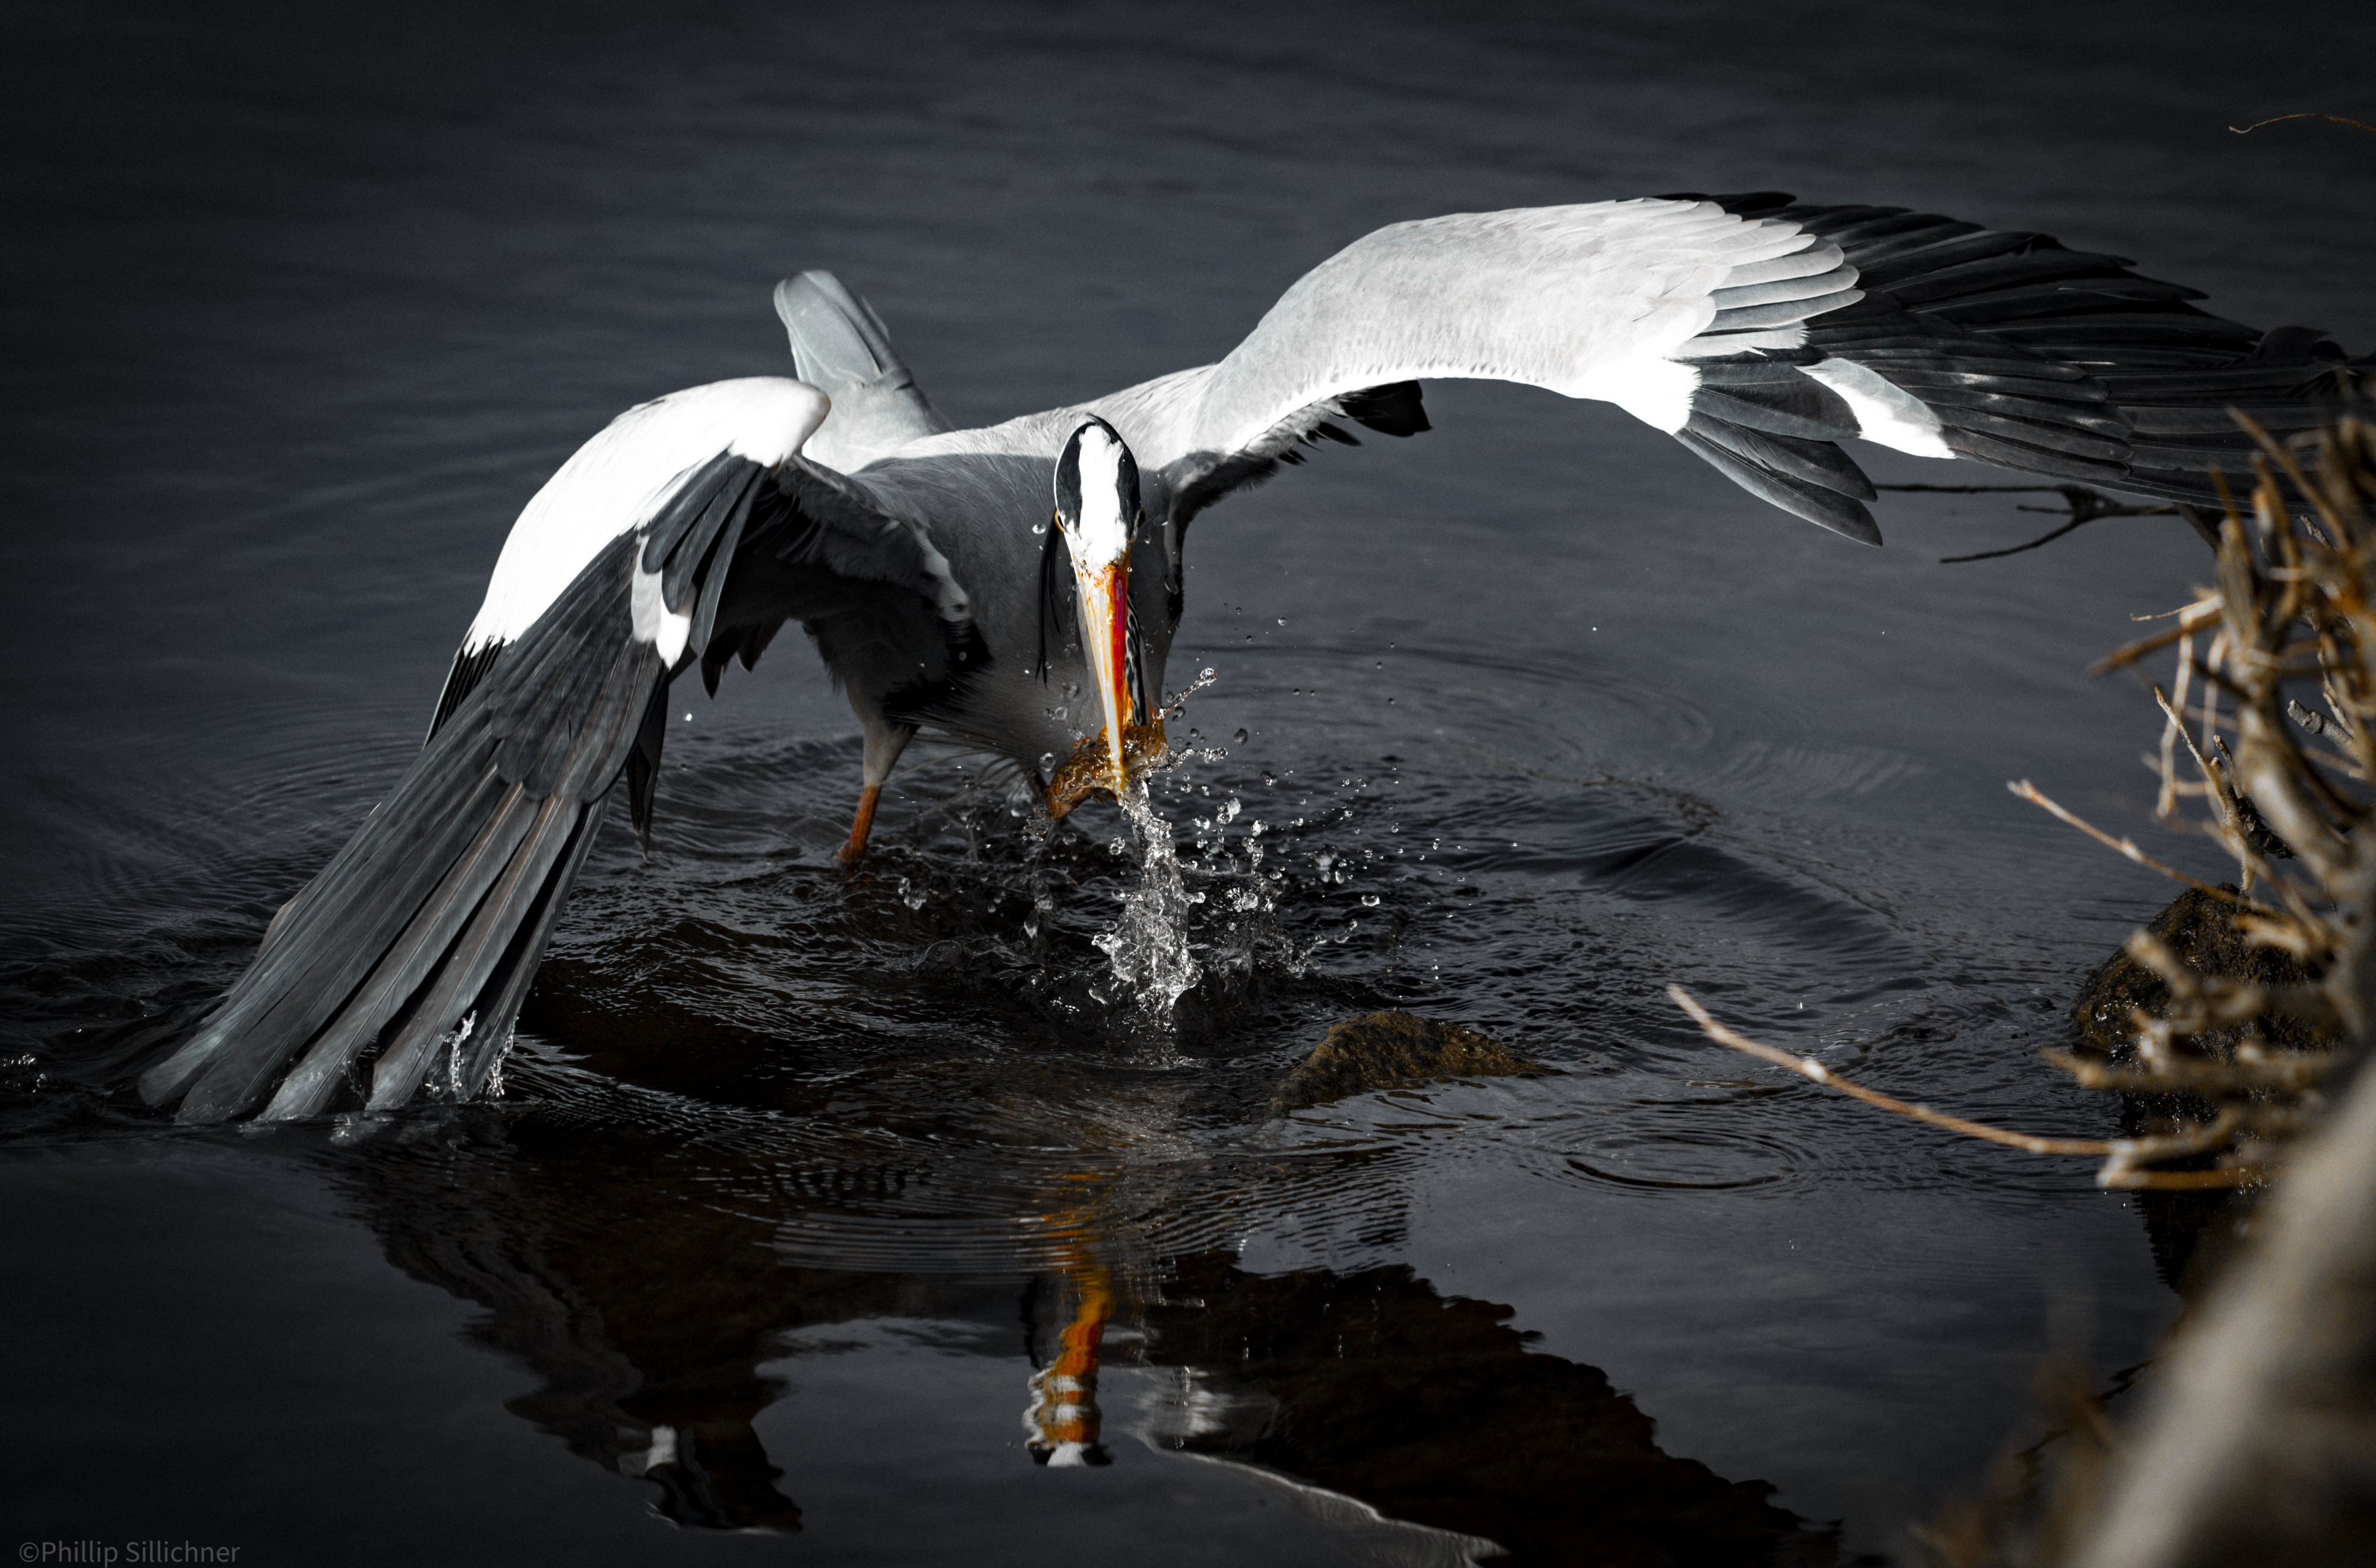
{"x":1105,"y":622}
{"x":1097,"y":510}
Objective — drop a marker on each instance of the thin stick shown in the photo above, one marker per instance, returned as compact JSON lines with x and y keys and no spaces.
{"x":2029,"y":792}
{"x":1976,"y":489}
{"x":2231,"y":815}
{"x":2206,"y":606}
{"x":1808,"y":1067}
{"x":2085,"y":505}
{"x":2186,"y":1180}
{"x":2203,"y":612}
{"x":2044,"y":539}
{"x":2305,"y":115}
{"x":2174,"y":731}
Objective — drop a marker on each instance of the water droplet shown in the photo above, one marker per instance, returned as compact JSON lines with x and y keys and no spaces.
{"x":1240,"y":737}
{"x":1282,"y":619}
{"x":1369,"y":901}
{"x":1039,"y":527}
{"x":1149,"y":947}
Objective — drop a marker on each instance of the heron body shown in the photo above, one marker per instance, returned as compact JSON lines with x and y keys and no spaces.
{"x":1015,"y":588}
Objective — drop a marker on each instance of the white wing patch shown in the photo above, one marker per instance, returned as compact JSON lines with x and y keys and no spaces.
{"x":655,"y":623}
{"x":1654,"y":390}
{"x":616,"y":483}
{"x":1885,"y":413}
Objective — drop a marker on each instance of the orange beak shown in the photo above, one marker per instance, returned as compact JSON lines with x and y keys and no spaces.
{"x":1105,"y":624}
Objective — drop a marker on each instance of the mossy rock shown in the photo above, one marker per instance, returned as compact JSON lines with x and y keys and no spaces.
{"x":2200,"y":928}
{"x":1385,"y":1051}
{"x":2190,"y":1232}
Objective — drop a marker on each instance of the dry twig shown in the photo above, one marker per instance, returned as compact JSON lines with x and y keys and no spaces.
{"x":2305,"y":115}
{"x":1808,"y":1067}
{"x":2126,"y":1161}
{"x":2286,"y":792}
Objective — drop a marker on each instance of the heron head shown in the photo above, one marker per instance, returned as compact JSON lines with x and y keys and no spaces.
{"x":1097,"y":511}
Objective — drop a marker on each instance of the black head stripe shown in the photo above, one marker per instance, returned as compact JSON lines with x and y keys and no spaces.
{"x":1126,"y":482}
{"x":1056,"y":617}
{"x":1068,"y":472}
{"x":1068,"y":481}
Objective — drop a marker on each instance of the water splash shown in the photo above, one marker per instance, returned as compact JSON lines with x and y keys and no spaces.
{"x":1149,"y":947}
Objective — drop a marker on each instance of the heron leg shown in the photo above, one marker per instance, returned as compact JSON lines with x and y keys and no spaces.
{"x":884,"y":741}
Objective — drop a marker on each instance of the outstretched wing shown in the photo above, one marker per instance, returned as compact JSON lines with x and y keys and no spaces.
{"x":420,"y":937}
{"x":841,"y":347}
{"x":1758,"y":332}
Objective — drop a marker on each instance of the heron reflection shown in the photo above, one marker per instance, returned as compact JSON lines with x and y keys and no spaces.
{"x":666,"y":1288}
{"x":1065,"y":1423}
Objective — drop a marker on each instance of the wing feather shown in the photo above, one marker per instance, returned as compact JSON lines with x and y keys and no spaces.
{"x":420,"y":933}
{"x":1750,"y":327}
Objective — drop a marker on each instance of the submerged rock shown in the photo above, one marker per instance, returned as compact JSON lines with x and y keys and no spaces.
{"x":1383,"y":1051}
{"x":2192,"y":1233}
{"x":2201,"y":930}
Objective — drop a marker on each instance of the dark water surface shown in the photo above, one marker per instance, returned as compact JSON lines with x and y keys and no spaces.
{"x":799,"y":1179}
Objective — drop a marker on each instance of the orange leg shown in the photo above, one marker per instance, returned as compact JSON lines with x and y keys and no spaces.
{"x":884,"y":741}
{"x":861,"y":826}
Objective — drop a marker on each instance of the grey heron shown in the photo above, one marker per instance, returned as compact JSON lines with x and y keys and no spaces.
{"x":947,"y":576}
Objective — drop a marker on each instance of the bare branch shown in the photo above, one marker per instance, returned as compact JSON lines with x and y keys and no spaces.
{"x":2030,"y":792}
{"x":1808,"y":1067}
{"x":2305,"y":115}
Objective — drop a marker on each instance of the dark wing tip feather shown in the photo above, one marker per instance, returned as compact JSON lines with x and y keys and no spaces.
{"x":1200,"y":478}
{"x":1774,"y":398}
{"x":1396,"y":409}
{"x":1818,"y":504}
{"x":471,"y":667}
{"x":1818,"y":463}
{"x":401,"y":931}
{"x":644,"y":765}
{"x":2052,"y":361}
